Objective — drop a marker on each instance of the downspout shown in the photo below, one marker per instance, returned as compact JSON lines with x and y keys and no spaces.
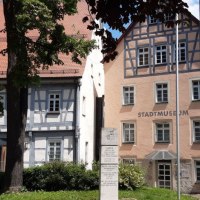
{"x":77,"y":123}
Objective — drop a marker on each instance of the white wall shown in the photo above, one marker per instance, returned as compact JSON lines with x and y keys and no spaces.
{"x":92,"y":87}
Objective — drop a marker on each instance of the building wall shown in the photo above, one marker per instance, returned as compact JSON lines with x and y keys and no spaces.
{"x":92,"y":86}
{"x":145,"y":112}
{"x":45,"y":126}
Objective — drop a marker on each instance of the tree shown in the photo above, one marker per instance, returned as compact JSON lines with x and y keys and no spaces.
{"x":26,"y":56}
{"x":118,"y":13}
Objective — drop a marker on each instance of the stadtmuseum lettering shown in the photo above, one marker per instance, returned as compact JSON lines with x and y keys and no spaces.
{"x":163,"y":113}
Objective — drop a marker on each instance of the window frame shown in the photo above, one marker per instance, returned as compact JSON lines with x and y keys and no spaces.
{"x":54,"y":100}
{"x":168,"y":17}
{"x":124,"y":141}
{"x":152,"y":20}
{"x":54,"y":153}
{"x":163,"y":133}
{"x":3,"y":101}
{"x":194,"y":132}
{"x":129,"y":93}
{"x":143,"y":56}
{"x":192,"y":89}
{"x":162,"y":92}
{"x":197,"y":170}
{"x":179,"y":51}
{"x":161,"y":51}
{"x":129,"y":161}
{"x":84,"y":106}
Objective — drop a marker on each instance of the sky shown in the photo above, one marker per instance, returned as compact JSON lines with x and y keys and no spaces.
{"x":193,"y":8}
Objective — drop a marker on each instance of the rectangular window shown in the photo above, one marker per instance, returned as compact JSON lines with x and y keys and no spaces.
{"x":152,"y":20}
{"x":181,"y":52}
{"x":128,"y":161}
{"x":161,"y":54}
{"x":143,"y":56}
{"x":84,"y":106}
{"x":128,"y":132}
{"x":196,"y":90}
{"x":2,"y":104}
{"x":161,"y":93}
{"x":197,"y":165}
{"x":128,"y":95}
{"x":54,"y":102}
{"x":54,"y":151}
{"x":163,"y":132}
{"x":169,"y":17}
{"x":196,"y":131}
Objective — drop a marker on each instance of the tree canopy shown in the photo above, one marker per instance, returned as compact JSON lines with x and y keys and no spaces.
{"x":43,"y":17}
{"x":117,"y":13}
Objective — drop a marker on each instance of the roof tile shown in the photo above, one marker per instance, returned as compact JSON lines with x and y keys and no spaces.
{"x":73,"y":26}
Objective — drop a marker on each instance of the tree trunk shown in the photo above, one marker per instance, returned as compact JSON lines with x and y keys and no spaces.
{"x":16,"y":122}
{"x":16,"y":106}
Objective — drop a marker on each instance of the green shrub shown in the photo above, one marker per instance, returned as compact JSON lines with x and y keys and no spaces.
{"x":56,"y":176}
{"x":34,"y":178}
{"x":130,"y":176}
{"x":60,"y":176}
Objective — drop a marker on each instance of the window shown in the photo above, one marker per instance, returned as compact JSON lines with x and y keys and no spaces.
{"x":197,"y":165}
{"x":161,"y":93}
{"x":169,"y":17}
{"x":128,"y":132}
{"x":181,"y":52}
{"x":2,"y":104}
{"x":196,"y":90}
{"x":143,"y":56}
{"x":161,"y":54}
{"x":128,"y":95}
{"x":162,"y":132}
{"x":84,"y":106}
{"x":152,"y":20}
{"x":54,"y":102}
{"x":54,"y":150}
{"x":196,"y":131}
{"x":130,"y":161}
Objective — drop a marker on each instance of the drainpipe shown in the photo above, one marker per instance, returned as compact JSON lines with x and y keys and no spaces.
{"x":77,"y":123}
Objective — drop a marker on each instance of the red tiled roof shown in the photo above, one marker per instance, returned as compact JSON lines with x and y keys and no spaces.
{"x":73,"y":25}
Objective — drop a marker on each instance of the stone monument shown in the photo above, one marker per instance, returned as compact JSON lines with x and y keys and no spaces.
{"x":109,"y":164}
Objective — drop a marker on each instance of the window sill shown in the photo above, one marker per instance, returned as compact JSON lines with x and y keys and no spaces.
{"x":160,"y":64}
{"x":195,"y":100}
{"x":53,"y":112}
{"x":196,"y":142}
{"x":163,"y":102}
{"x":164,"y":142}
{"x":130,"y":104}
{"x":128,"y":142}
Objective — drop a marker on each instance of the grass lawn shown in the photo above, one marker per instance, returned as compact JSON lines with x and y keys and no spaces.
{"x":141,"y":194}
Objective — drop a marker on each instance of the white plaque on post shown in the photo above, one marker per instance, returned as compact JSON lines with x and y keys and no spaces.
{"x":109,"y":164}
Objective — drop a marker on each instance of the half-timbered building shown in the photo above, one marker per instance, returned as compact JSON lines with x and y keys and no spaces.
{"x":140,"y":100}
{"x":61,"y":123}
